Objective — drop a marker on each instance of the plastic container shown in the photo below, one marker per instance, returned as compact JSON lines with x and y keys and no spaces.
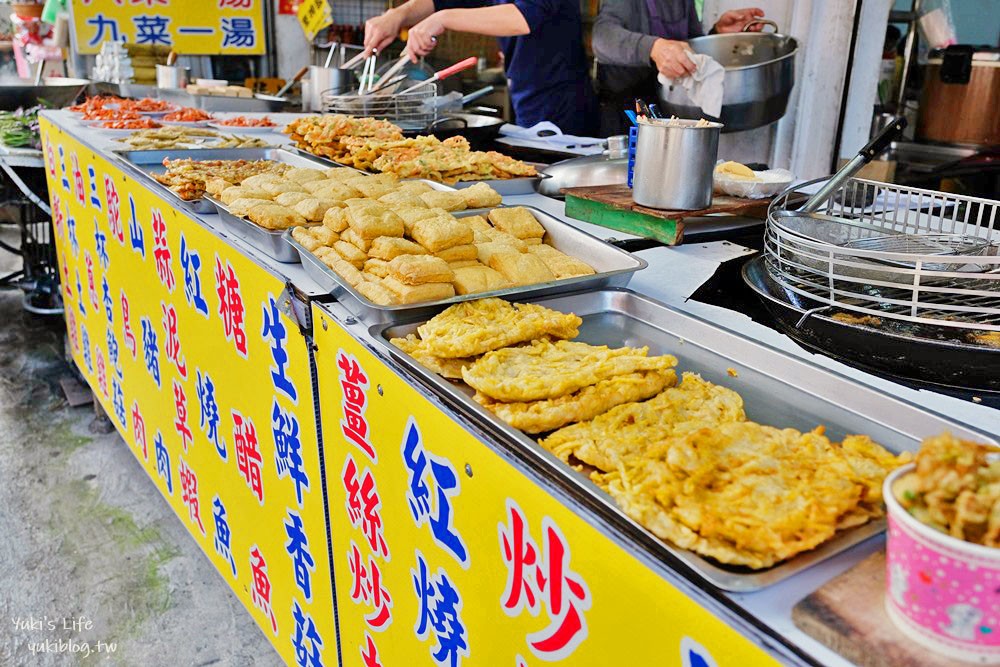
{"x":940,"y":590}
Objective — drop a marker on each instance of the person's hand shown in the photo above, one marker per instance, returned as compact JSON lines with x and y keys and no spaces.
{"x":381,"y":31}
{"x":423,"y":37}
{"x":735,"y":19}
{"x":671,"y":58}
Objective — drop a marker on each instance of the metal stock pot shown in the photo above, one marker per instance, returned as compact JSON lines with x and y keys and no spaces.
{"x":760,"y":73}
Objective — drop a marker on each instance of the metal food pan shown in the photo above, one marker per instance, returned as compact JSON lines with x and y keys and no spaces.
{"x":614,"y":268}
{"x":777,"y":389}
{"x":509,"y":186}
{"x":268,"y":241}
{"x":151,"y":162}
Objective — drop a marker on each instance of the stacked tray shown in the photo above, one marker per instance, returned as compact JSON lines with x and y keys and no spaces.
{"x":778,"y":390}
{"x":614,"y":267}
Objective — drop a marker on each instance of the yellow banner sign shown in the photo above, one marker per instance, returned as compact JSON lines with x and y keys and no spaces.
{"x":191,"y":28}
{"x":446,"y":554}
{"x":314,"y":15}
{"x":182,"y":339}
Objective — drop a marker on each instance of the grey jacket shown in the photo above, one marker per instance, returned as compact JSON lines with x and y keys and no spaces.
{"x":622,"y":32}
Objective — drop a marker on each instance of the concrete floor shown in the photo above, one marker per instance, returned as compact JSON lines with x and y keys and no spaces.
{"x":85,"y":535}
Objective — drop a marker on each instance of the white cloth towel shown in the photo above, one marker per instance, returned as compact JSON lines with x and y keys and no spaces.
{"x":548,"y":136}
{"x":705,"y":87}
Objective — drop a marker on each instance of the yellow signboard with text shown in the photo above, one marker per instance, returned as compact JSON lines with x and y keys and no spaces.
{"x":446,"y":554}
{"x":314,"y":15}
{"x":182,"y":339}
{"x":215,"y":27}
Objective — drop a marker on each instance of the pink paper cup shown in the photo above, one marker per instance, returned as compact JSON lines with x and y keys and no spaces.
{"x":941,"y":592}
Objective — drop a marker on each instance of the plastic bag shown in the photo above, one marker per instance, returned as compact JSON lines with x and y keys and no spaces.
{"x":767,"y":184}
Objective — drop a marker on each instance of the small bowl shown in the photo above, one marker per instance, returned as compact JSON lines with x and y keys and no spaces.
{"x":941,"y":592}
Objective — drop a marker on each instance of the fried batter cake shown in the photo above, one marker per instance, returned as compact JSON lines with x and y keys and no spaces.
{"x":625,"y":432}
{"x":416,"y":348}
{"x":547,"y":369}
{"x":472,"y":328}
{"x":746,"y":494}
{"x":547,"y":415}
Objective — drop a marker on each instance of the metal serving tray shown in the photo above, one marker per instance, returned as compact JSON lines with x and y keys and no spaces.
{"x":151,"y":162}
{"x":613,"y":265}
{"x":777,"y":389}
{"x":270,"y":242}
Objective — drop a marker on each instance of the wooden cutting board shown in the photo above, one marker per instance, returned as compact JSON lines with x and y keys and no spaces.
{"x":848,"y":615}
{"x":611,"y":206}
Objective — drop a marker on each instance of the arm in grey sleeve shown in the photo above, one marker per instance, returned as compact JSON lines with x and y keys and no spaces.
{"x":613,"y":43}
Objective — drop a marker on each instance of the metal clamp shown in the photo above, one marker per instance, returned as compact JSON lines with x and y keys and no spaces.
{"x":769,"y":22}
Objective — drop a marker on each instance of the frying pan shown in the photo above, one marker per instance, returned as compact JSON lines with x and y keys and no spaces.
{"x":921,"y":353}
{"x":479,"y":129}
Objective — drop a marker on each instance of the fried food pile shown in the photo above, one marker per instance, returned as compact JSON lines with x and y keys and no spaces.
{"x":398,"y":243}
{"x":680,"y":459}
{"x":372,"y":145}
{"x":955,"y":489}
{"x":189,"y":178}
{"x":176,"y":136}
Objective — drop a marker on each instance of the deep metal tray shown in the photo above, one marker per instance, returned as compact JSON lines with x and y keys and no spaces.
{"x":270,"y":242}
{"x":613,"y":265}
{"x":777,"y":389}
{"x":151,"y":162}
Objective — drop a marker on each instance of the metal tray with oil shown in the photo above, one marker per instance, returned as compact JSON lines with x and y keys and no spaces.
{"x":614,"y":268}
{"x":777,"y":389}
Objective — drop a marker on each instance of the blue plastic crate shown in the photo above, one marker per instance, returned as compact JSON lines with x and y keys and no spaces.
{"x":633,"y":134}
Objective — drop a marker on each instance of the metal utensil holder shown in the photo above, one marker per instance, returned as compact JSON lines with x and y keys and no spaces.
{"x":410,"y":111}
{"x":922,"y":286}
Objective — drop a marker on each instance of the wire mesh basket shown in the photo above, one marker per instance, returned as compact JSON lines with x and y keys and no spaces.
{"x":904,"y":253}
{"x":410,"y":111}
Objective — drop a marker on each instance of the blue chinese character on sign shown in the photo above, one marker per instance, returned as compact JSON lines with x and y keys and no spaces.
{"x":163,"y":462}
{"x":306,"y":639}
{"x":288,"y":449}
{"x":191,"y":264}
{"x":101,"y":241}
{"x":209,"y":409}
{"x":196,"y":30}
{"x":135,"y":230}
{"x":62,"y":166}
{"x":440,"y":612}
{"x":238,"y":32}
{"x":298,"y":549}
{"x":102,"y":25}
{"x":88,"y":360}
{"x":222,"y":533}
{"x":113,"y":357}
{"x":79,"y":290}
{"x":151,"y":30}
{"x":95,"y":200}
{"x":74,"y":243}
{"x":425,"y":468}
{"x":150,"y":351}
{"x":274,"y":330}
{"x":118,"y":400}
{"x":109,"y":305}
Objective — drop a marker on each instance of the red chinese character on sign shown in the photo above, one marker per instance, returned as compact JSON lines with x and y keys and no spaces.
{"x":364,"y":506}
{"x":236,"y":4}
{"x":367,"y":587}
{"x":227,"y":286}
{"x":127,"y":333}
{"x":181,"y":421}
{"x":58,"y":217}
{"x":113,"y":203}
{"x":101,"y":371}
{"x":50,"y":156}
{"x":248,"y":458}
{"x":66,"y":284}
{"x":173,"y":342}
{"x":161,"y":251}
{"x":354,"y":384}
{"x":543,"y":577}
{"x":78,"y":181}
{"x":189,"y":493}
{"x":139,"y":429}
{"x":370,"y":653}
{"x":74,"y":341}
{"x":261,"y":593}
{"x":91,"y":287}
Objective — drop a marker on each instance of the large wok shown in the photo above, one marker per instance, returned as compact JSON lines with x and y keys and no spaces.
{"x":479,"y":129}
{"x":55,"y":92}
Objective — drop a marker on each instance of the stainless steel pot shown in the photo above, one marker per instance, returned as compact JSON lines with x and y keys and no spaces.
{"x":760,"y":73}
{"x":608,"y":168}
{"x":674,"y":161}
{"x":325,"y":80}
{"x":55,"y":91}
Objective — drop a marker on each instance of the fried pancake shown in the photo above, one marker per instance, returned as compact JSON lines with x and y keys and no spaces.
{"x":545,"y":369}
{"x":324,"y":235}
{"x":376,"y":292}
{"x":390,"y":247}
{"x":234,"y":192}
{"x":377,"y":267}
{"x":418,"y":293}
{"x":458,"y":253}
{"x":481,"y":195}
{"x":291,"y":198}
{"x":312,"y":208}
{"x":305,"y":239}
{"x":559,"y":263}
{"x":273,"y":216}
{"x":627,"y":431}
{"x":243,"y":205}
{"x":371,"y":219}
{"x":335,"y":220}
{"x":477,"y":278}
{"x":354,"y":239}
{"x":589,"y":402}
{"x":521,"y":268}
{"x":449,"y":201}
{"x":517,"y":221}
{"x":437,"y":234}
{"x":420,"y":269}
{"x":447,"y":368}
{"x":472,"y":328}
{"x":304,"y":174}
